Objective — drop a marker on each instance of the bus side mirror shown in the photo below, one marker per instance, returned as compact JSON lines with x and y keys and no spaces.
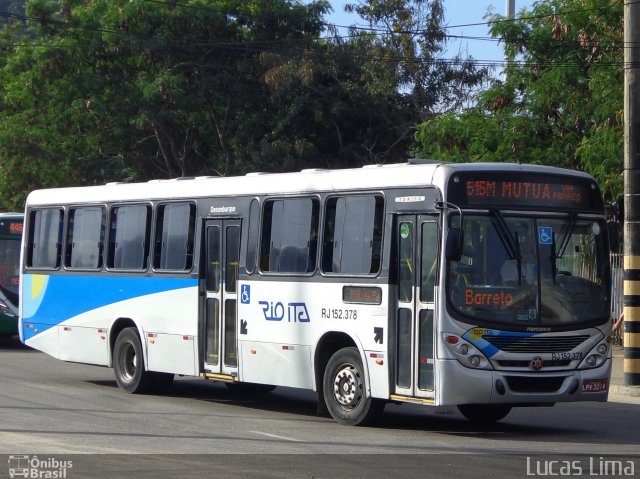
{"x":613,"y":230}
{"x":453,"y":246}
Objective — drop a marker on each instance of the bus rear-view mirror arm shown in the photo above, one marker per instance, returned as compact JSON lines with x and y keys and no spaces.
{"x":455,"y":235}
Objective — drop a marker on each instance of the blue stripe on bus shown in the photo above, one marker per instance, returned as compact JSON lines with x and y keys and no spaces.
{"x":48,"y":300}
{"x":474,"y":336}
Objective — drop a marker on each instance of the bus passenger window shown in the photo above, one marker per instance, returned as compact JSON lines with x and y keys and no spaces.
{"x":129,"y":237}
{"x":45,"y":238}
{"x":289,"y":235}
{"x":175,"y":224}
{"x":353,"y":235}
{"x":85,"y":238}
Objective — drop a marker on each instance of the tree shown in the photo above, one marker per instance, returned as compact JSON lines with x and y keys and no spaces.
{"x":131,"y":90}
{"x":11,"y":10}
{"x":560,"y":102}
{"x":124,"y":90}
{"x":359,"y":97}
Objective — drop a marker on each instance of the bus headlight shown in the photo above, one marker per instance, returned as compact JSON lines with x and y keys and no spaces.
{"x":596,"y":357}
{"x":475,"y":360}
{"x":466,"y":353}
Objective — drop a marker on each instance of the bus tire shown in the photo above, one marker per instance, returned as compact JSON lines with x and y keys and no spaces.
{"x":345,"y":389}
{"x":484,"y":413}
{"x":128,"y":364}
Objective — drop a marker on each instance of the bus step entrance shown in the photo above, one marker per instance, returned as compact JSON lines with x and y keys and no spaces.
{"x":220,"y":377}
{"x":410,"y":399}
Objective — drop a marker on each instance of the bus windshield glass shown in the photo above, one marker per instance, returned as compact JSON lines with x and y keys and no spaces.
{"x":530,"y":272}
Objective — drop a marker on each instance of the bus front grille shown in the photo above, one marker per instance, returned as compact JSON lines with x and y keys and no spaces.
{"x":517,"y":363}
{"x":554,"y":344}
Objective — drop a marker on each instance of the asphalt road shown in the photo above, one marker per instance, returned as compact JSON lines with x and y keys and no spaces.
{"x":60,"y":412}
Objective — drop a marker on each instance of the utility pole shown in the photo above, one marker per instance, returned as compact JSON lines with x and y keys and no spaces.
{"x":632,"y":193}
{"x":511,"y":8}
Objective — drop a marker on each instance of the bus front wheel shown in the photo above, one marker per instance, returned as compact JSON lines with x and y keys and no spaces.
{"x":344,"y":390}
{"x":484,"y":413}
{"x":128,"y":364}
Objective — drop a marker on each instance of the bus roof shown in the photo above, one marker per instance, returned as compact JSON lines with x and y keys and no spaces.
{"x":416,"y":173}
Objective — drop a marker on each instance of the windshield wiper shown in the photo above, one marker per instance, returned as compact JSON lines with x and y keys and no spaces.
{"x":564,"y":244}
{"x":573,"y":219}
{"x":552,"y":257}
{"x":510,"y":243}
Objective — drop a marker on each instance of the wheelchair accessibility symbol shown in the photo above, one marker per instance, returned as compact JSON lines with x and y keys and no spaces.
{"x":545,"y":235}
{"x":245,"y":294}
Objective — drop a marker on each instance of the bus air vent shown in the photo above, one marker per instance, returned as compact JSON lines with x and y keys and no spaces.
{"x":522,"y":384}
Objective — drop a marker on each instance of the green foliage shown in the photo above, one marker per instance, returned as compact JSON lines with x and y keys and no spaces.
{"x":355,"y":100}
{"x":112,"y":90}
{"x":560,"y":103}
{"x":131,"y":90}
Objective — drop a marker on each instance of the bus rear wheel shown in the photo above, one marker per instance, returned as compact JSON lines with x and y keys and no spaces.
{"x":128,"y":364}
{"x":345,"y":389}
{"x":484,"y":413}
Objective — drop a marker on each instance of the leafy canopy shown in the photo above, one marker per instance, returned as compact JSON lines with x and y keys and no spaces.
{"x":123,"y":90}
{"x":559,"y":101}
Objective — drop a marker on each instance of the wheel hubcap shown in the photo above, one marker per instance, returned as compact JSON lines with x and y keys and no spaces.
{"x":129,"y":362}
{"x":347,"y":386}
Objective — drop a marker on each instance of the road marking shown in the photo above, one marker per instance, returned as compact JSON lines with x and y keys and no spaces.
{"x":275,"y":436}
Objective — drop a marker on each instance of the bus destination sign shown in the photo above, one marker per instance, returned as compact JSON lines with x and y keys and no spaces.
{"x":531,"y":192}
{"x":10,"y":227}
{"x":525,"y":191}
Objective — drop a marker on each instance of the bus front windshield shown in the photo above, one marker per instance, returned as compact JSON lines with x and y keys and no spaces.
{"x":530,"y":272}
{"x":9,"y":268}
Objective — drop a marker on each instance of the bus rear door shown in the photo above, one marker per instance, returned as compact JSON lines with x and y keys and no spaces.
{"x":222,"y":245}
{"x":416,"y":254}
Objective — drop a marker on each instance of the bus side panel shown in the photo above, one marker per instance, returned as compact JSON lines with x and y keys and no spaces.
{"x":377,"y":365}
{"x":41,"y":337}
{"x":172,"y":353}
{"x":283,"y":321}
{"x":84,"y":345}
{"x":281,"y":365}
{"x":69,"y":317}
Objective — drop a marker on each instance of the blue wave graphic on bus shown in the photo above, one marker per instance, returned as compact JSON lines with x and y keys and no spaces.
{"x":50,"y":300}
{"x":475,"y":337}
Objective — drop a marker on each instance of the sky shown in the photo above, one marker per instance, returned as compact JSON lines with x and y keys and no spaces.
{"x":457,"y":12}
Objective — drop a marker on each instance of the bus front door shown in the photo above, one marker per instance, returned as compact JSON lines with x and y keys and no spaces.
{"x":416,"y":256}
{"x":222,"y":244}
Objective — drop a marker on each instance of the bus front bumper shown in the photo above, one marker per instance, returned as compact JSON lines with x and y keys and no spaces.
{"x":458,"y":384}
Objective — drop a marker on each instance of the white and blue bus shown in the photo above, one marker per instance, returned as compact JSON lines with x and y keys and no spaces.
{"x":481,"y":286}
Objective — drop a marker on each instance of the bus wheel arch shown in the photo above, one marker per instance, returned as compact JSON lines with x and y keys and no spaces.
{"x":128,"y":363}
{"x":117,"y":326}
{"x":342,"y":382}
{"x":327,"y":346}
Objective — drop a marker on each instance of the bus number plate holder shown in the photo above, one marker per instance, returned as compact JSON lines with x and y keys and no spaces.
{"x":594,"y":385}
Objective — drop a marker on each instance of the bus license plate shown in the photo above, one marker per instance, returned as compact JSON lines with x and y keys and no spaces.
{"x":594,"y":385}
